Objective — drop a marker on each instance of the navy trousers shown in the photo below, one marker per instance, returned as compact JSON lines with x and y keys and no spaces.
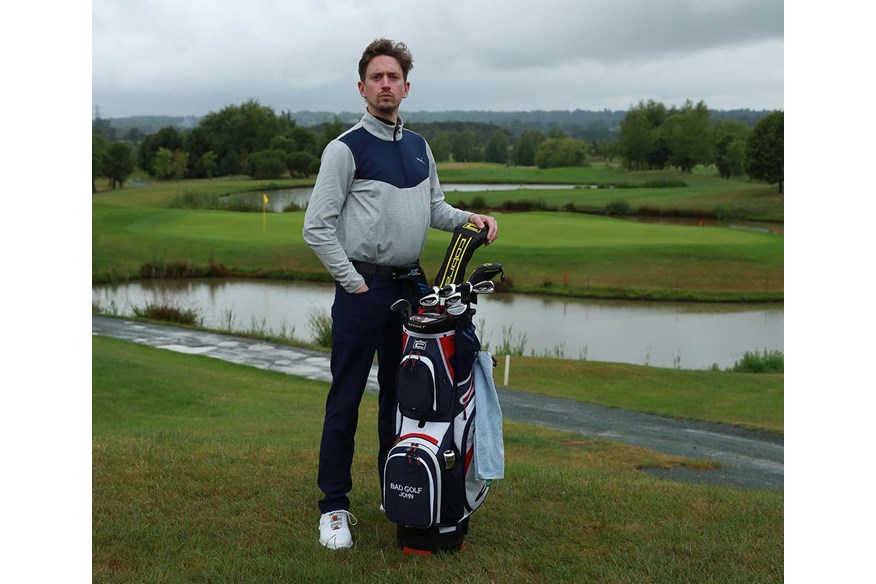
{"x":362,"y":325}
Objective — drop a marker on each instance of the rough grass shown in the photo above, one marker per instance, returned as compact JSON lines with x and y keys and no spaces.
{"x":205,"y":471}
{"x":742,"y":399}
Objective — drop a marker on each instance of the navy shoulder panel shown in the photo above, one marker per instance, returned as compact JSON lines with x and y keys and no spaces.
{"x":402,"y":164}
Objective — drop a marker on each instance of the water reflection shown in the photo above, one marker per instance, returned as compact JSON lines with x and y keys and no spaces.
{"x":686,"y":335}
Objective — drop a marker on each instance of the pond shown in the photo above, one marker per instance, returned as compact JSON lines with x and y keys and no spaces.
{"x":679,"y":335}
{"x":280,"y":199}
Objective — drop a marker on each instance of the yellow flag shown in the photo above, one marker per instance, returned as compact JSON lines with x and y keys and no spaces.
{"x":265,"y":198}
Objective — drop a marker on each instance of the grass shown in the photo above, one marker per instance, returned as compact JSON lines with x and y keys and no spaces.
{"x":205,"y":471}
{"x":693,"y":195}
{"x":601,"y":257}
{"x":742,"y":399}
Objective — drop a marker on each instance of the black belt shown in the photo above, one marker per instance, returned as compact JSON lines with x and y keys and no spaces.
{"x":366,"y":268}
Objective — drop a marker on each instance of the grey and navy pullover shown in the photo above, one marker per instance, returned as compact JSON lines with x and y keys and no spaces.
{"x":376,"y":195}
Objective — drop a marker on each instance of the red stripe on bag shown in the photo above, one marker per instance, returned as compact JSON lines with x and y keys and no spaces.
{"x":423,"y":436}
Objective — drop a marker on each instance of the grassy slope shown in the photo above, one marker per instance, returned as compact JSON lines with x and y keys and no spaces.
{"x":205,"y":471}
{"x":600,"y":256}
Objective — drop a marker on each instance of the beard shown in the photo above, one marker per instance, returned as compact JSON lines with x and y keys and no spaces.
{"x":385,"y":106}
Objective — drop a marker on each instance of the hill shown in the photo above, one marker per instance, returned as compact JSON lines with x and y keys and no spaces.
{"x":587,"y":124}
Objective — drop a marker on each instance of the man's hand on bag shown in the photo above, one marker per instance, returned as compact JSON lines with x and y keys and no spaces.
{"x":486,"y":221}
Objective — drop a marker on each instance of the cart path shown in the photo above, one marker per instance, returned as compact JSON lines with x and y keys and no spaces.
{"x":752,"y":459}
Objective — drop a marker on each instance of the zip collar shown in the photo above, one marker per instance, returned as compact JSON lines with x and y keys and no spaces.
{"x":383,"y":129}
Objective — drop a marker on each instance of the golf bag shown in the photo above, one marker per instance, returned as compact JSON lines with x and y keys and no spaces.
{"x":429,"y":483}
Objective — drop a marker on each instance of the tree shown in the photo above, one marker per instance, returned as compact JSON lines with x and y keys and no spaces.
{"x":180,"y":162}
{"x":330,"y":132}
{"x":134,"y":135}
{"x":98,"y":158}
{"x":463,"y":146}
{"x":267,"y":164}
{"x":103,"y":128}
{"x":162,"y":163}
{"x":301,"y":163}
{"x":526,"y":146}
{"x":441,"y":146}
{"x":234,"y":133}
{"x":206,"y":166}
{"x":766,"y":150}
{"x":168,"y":138}
{"x":119,"y":163}
{"x":656,"y":114}
{"x":688,"y":135}
{"x":642,"y":141}
{"x":636,"y":139}
{"x":497,"y":147}
{"x":730,"y":143}
{"x":557,"y":152}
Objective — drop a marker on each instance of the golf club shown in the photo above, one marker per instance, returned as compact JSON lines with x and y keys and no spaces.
{"x":402,"y":305}
{"x":485,"y":287}
{"x":487,"y":272}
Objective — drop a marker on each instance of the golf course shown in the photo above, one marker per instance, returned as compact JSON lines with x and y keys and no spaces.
{"x":204,"y":470}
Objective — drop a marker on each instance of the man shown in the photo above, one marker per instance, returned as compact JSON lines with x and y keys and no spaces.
{"x":375,"y":198}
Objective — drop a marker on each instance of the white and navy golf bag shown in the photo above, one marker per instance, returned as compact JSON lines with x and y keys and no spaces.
{"x":429,"y":482}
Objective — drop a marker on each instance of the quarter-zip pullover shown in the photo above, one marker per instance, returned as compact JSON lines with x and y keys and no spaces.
{"x":375,"y":198}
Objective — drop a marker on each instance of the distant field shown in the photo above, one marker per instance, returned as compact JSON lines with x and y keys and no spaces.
{"x":704,"y":193}
{"x":597,"y":256}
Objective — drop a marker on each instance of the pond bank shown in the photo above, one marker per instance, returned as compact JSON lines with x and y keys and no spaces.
{"x":186,"y":270}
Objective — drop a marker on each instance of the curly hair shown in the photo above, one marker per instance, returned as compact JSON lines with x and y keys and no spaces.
{"x":389,"y":48}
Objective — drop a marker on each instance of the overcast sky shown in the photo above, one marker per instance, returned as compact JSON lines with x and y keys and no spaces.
{"x":181,"y":57}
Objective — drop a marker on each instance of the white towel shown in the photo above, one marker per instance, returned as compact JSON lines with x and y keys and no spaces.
{"x":489,"y":450}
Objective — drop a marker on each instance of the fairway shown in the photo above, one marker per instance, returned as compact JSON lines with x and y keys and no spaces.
{"x":592,"y":256}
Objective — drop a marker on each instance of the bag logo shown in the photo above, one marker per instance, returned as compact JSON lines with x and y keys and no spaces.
{"x":420,"y":345}
{"x":405,"y":491}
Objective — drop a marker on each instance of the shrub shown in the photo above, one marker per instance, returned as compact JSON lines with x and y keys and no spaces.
{"x":478,"y":203}
{"x":664,"y":183}
{"x":618,"y":207}
{"x":167,"y":311}
{"x":159,"y":269}
{"x":517,"y":206}
{"x":757,"y":362}
{"x":193,"y":200}
{"x":321,"y":326}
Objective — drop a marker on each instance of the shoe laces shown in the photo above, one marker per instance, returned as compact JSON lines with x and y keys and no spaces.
{"x":337,"y":519}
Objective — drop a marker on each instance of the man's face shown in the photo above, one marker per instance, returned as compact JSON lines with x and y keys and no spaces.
{"x":384,"y":86}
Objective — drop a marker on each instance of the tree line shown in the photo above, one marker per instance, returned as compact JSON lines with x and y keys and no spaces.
{"x":251,"y":139}
{"x":654,"y":137}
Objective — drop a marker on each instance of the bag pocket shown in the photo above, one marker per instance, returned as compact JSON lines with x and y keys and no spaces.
{"x":417,"y":384}
{"x":412,"y":485}
{"x":425,"y":387}
{"x":453,"y":508}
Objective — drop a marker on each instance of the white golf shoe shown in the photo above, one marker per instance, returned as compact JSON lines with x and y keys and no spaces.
{"x":334,"y":529}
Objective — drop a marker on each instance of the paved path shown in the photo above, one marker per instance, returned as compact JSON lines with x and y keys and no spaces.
{"x":748,"y":458}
